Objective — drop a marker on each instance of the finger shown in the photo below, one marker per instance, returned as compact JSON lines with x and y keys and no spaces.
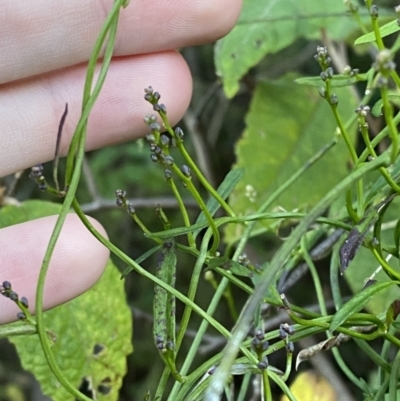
{"x":30,"y":110}
{"x":45,"y":35}
{"x":77,"y":262}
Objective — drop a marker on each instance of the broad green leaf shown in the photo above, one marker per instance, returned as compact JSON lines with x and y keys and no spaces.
{"x":93,"y":332}
{"x":385,"y":30}
{"x":286,"y":125}
{"x":358,"y":302}
{"x":266,"y":27}
{"x":224,"y":190}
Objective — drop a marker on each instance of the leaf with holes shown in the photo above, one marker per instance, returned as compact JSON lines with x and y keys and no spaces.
{"x":92,"y":333}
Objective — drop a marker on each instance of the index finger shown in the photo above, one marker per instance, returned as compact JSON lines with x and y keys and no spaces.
{"x":46,"y":35}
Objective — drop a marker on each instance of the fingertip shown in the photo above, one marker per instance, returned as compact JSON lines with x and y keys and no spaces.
{"x":76,"y":264}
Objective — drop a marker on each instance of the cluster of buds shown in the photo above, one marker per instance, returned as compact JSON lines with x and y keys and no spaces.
{"x":37,"y":175}
{"x":362,"y":111}
{"x":260,"y":345}
{"x":322,"y":57}
{"x":162,"y":345}
{"x":351,"y":72}
{"x":122,"y":201}
{"x":7,"y":291}
{"x":384,"y":64}
{"x":153,"y":98}
{"x":285,"y":331}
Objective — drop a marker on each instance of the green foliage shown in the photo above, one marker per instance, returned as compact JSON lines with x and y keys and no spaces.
{"x":385,"y":30}
{"x":93,"y":336}
{"x":90,"y":335}
{"x":285,"y":126}
{"x":267,"y":28}
{"x":314,"y":170}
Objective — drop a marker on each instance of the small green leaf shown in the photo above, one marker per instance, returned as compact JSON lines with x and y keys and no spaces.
{"x":228,"y":264}
{"x":392,"y":312}
{"x":358,"y":302}
{"x":377,"y":108}
{"x":140,"y":259}
{"x":384,"y":30}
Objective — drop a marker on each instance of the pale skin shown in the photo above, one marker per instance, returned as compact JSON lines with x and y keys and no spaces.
{"x":43,"y":49}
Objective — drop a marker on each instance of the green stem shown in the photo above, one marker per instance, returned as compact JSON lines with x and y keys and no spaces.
{"x":194,"y":168}
{"x":268,"y":276}
{"x":388,"y":113}
{"x":182,"y":208}
{"x":188,"y":182}
{"x":79,"y":137}
{"x":266,"y":385}
{"x":314,"y":275}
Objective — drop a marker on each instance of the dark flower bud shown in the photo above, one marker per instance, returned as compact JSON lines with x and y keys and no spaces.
{"x":43,"y":186}
{"x":119,"y":202}
{"x":163,"y":108}
{"x":6,"y":285}
{"x":290,"y":347}
{"x":179,"y":133}
{"x":130,"y":209}
{"x":186,"y":171}
{"x":36,"y":171}
{"x":167,"y":174}
{"x":259,"y":334}
{"x":322,"y":92}
{"x":374,"y":11}
{"x":334,"y":100}
{"x":165,"y":140}
{"x":120,"y":193}
{"x":156,"y":96}
{"x":256,"y":342}
{"x":324,"y":76}
{"x":154,"y":157}
{"x":148,"y":97}
{"x":13,"y":296}
{"x":169,"y":345}
{"x":21,"y":316}
{"x":288,"y":328}
{"x":282,"y":334}
{"x":263,"y":364}
{"x":329,"y":72}
{"x":150,"y":138}
{"x":155,"y":127}
{"x":24,"y":302}
{"x":168,"y":160}
{"x":148,"y":90}
{"x":265,"y":345}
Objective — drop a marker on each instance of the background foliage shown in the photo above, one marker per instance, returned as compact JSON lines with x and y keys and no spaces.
{"x":247,"y":111}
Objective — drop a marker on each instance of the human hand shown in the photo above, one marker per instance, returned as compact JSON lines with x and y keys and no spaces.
{"x":43,"y":49}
